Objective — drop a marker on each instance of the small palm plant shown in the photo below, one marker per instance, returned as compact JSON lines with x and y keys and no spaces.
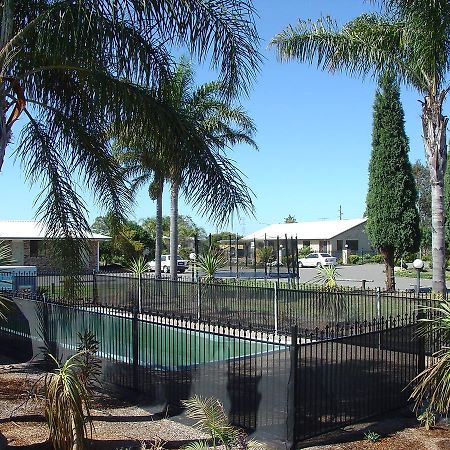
{"x":211,"y":419}
{"x":67,"y":405}
{"x":432,"y":386}
{"x":138,"y":265}
{"x":326,"y":276}
{"x":210,"y":262}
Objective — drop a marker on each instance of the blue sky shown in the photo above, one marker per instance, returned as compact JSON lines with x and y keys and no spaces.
{"x":314,"y":135}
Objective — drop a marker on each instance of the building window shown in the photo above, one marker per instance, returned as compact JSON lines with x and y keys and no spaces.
{"x":37,"y":248}
{"x":352,"y":245}
{"x":323,"y":246}
{"x":306,"y":244}
{"x":339,"y":245}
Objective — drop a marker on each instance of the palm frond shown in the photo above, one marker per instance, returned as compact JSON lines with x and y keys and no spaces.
{"x":210,"y":417}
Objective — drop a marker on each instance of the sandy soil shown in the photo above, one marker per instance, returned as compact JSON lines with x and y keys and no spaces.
{"x":119,"y":425}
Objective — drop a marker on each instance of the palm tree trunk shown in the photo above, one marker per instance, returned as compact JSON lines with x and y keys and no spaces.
{"x":5,"y":36}
{"x":434,"y":126}
{"x":159,"y":230}
{"x":174,"y":189}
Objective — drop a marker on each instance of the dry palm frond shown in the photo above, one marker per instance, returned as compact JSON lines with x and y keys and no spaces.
{"x":433,"y":384}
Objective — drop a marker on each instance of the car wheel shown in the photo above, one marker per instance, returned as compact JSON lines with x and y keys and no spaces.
{"x":166,"y":269}
{"x":181,"y":270}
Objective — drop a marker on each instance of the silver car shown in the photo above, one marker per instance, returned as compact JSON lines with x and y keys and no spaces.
{"x":317,"y":260}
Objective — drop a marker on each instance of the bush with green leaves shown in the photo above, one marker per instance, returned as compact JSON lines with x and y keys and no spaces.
{"x":377,"y":259}
{"x":264,"y":255}
{"x":353,"y":259}
{"x":304,"y":251}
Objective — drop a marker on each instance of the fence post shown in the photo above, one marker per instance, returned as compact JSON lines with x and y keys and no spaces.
{"x":275,"y":306}
{"x":135,"y":347}
{"x":292,"y":390}
{"x":94,"y":288}
{"x":379,"y":324}
{"x":199,"y":299}
{"x":421,"y":342}
{"x":140,"y":292}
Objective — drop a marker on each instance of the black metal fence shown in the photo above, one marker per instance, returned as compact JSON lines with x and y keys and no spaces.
{"x":263,"y":305}
{"x":281,"y":387}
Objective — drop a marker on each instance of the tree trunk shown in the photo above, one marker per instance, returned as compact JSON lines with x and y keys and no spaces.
{"x":174,"y":188}
{"x":159,"y":230}
{"x":434,"y":126}
{"x":5,"y":36}
{"x":388,"y":254}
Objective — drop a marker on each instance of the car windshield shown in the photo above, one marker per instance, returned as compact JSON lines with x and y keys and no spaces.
{"x":326,"y":255}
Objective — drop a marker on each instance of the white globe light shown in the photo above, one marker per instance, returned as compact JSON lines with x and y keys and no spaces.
{"x":418,"y":264}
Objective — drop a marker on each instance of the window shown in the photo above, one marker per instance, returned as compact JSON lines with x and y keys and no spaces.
{"x":339,"y":245}
{"x":306,"y":244}
{"x":352,"y":245}
{"x":37,"y":249}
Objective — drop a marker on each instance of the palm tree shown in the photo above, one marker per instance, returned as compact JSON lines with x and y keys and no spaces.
{"x":199,"y":168}
{"x":410,"y":38}
{"x":222,"y":125}
{"x":70,"y":67}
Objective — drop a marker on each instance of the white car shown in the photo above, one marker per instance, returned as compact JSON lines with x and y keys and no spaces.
{"x":182,"y":264}
{"x":317,"y":260}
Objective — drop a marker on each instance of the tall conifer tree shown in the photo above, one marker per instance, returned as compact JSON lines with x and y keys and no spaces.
{"x":393,"y":220}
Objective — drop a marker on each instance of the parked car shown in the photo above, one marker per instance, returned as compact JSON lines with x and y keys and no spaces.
{"x":182,"y":264}
{"x":317,"y":260}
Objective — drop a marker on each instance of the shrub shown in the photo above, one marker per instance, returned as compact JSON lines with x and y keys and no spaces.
{"x":377,"y":259}
{"x":353,"y":259}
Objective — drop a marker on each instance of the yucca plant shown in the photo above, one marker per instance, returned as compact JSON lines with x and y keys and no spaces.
{"x":210,"y":262}
{"x":331,"y":301}
{"x":432,"y":386}
{"x":67,"y":405}
{"x":211,"y":419}
{"x":138,"y":265}
{"x":326,"y":276}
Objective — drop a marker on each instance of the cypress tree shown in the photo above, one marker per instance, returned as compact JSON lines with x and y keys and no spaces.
{"x":392,"y":217}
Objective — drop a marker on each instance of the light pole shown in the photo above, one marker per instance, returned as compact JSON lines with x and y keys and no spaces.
{"x":418,"y":265}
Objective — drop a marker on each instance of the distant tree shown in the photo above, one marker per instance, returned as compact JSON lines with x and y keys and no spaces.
{"x":290,"y":219}
{"x":128,"y":241}
{"x":393,"y":220}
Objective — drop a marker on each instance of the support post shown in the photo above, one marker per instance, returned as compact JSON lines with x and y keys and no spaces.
{"x":275,"y":306}
{"x":135,"y":347}
{"x":292,"y":400}
{"x":199,"y":299}
{"x":94,"y":288}
{"x":421,"y":343}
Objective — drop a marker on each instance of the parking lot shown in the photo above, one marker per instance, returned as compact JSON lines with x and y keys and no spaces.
{"x":351,"y":275}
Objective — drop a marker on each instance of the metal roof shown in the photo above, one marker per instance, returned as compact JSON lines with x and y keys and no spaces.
{"x":31,"y":229}
{"x":320,"y":230}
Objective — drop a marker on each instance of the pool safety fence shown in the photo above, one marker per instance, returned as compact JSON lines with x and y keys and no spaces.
{"x":267,"y":305}
{"x":280,"y":388}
